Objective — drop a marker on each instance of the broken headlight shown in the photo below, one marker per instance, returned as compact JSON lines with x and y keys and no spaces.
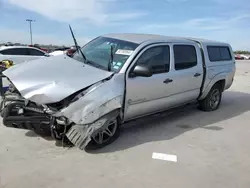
{"x":12,"y":88}
{"x":62,"y":120}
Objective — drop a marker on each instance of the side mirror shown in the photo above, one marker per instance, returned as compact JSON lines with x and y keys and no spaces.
{"x":46,"y":55}
{"x":142,"y":70}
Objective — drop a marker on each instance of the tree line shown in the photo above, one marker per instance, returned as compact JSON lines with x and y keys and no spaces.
{"x":241,"y":52}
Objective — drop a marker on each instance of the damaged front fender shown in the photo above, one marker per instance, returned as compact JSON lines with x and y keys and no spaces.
{"x":80,"y":135}
{"x":105,"y":98}
{"x":94,"y":110}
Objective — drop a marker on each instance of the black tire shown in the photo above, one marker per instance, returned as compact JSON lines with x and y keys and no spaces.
{"x":207,"y":103}
{"x":93,"y":145}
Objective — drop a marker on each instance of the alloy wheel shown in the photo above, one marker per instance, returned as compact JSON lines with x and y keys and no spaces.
{"x":214,"y":99}
{"x":105,"y":134}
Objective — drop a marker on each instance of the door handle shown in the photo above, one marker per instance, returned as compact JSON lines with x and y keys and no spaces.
{"x":197,"y":74}
{"x":167,"y":81}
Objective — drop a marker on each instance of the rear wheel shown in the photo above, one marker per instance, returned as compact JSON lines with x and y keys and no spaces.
{"x":105,"y":136}
{"x":212,"y":100}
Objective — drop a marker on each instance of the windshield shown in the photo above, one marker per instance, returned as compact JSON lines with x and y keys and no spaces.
{"x":98,"y":53}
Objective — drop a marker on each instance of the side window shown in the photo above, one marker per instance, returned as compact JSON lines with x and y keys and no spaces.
{"x":219,"y":53}
{"x":213,"y":53}
{"x":158,"y":58}
{"x":5,"y":52}
{"x":225,"y":54}
{"x":185,"y":57}
{"x":14,"y":51}
{"x":35,"y":52}
{"x":22,"y":51}
{"x":9,"y":52}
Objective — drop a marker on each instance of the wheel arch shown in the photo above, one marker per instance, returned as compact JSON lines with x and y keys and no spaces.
{"x":219,"y":79}
{"x":222,"y":84}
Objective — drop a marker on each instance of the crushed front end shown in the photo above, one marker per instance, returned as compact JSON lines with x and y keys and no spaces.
{"x":21,"y":113}
{"x":75,"y":120}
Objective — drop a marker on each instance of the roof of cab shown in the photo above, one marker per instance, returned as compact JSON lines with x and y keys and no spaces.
{"x":140,"y":38}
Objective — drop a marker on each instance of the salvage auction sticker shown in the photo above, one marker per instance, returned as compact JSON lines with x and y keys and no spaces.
{"x":124,"y":52}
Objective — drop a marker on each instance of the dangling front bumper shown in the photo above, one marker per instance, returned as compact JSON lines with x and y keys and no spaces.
{"x":18,"y":113}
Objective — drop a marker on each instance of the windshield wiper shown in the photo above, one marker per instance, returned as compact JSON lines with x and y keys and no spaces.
{"x":111,"y":57}
{"x":76,"y":45}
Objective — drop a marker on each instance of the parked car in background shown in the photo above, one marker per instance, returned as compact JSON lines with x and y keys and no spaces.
{"x":70,"y":52}
{"x":238,"y":57}
{"x":245,"y":57}
{"x":59,"y":51}
{"x":8,"y":44}
{"x":44,"y":49}
{"x":19,"y":54}
{"x":38,"y":47}
{"x":113,"y":79}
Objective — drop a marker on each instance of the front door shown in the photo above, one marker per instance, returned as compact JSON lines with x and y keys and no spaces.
{"x":146,"y":95}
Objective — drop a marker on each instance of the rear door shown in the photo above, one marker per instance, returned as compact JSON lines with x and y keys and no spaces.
{"x":188,"y":72}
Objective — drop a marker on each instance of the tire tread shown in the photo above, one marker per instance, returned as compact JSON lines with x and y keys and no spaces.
{"x":204,"y":104}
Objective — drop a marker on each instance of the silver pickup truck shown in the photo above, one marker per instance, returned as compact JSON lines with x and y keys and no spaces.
{"x":113,"y":79}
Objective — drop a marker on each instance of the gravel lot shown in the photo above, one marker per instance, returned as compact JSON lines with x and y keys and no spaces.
{"x":213,"y":150}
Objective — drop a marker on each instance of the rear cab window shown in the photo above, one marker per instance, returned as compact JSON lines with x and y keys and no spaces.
{"x":219,"y":53}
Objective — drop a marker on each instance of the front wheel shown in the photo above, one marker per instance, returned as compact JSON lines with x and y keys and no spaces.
{"x":212,"y":100}
{"x":105,"y":136}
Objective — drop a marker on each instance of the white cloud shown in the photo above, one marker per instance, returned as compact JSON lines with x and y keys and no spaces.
{"x":94,"y":11}
{"x":206,"y":24}
{"x":17,"y":36}
{"x":233,"y":30}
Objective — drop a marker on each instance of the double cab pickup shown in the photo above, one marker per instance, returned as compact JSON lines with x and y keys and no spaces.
{"x":113,"y":79}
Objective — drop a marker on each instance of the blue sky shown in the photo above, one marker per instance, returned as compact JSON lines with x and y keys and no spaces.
{"x":223,"y":20}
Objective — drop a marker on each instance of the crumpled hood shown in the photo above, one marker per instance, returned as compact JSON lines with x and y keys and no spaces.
{"x":52,"y":79}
